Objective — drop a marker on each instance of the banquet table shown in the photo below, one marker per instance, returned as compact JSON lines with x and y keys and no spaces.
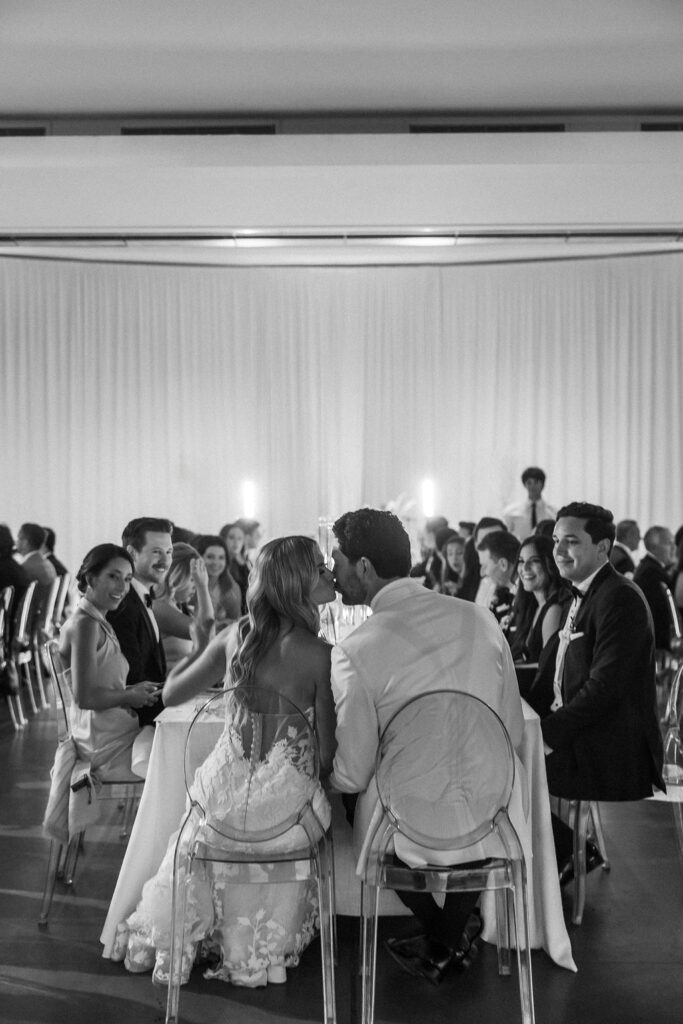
{"x":163,"y":803}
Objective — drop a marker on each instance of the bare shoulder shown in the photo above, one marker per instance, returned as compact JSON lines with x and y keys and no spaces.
{"x":308,"y":651}
{"x":79,"y":629}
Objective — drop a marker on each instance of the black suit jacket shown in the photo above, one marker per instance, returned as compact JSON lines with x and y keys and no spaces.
{"x":621,"y":560}
{"x":605,"y":740}
{"x":649,"y":576}
{"x":142,"y":650}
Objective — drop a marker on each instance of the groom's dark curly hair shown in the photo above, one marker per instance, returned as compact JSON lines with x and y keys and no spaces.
{"x":378,"y":536}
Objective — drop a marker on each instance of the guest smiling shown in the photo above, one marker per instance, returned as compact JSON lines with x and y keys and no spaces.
{"x":226,"y":596}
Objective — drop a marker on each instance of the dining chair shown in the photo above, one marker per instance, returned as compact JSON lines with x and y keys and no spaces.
{"x":673,"y":756}
{"x":584,"y":818}
{"x":266,"y":838}
{"x":60,"y":602}
{"x":444,"y":772}
{"x":669,"y":661}
{"x":22,"y":650}
{"x":41,"y":632}
{"x":7,"y":663}
{"x":125,"y":788}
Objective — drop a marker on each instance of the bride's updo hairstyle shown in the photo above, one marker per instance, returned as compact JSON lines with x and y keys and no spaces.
{"x":97,"y":559}
{"x":280,"y":587}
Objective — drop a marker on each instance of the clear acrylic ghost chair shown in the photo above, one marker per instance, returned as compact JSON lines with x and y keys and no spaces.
{"x":445,"y":771}
{"x":21,"y":644}
{"x":673,"y":755}
{"x":7,"y":664}
{"x":121,"y":786}
{"x":669,"y":661}
{"x":263,"y":836}
{"x":583,"y":816}
{"x":43,"y":631}
{"x":62,"y":594}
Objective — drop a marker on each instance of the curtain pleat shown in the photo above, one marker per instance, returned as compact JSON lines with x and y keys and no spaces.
{"x":132,"y":389}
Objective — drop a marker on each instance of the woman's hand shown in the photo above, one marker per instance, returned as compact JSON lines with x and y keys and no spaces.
{"x":198,"y":573}
{"x":142,"y":695}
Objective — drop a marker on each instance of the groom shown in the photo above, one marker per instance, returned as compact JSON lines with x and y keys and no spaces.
{"x":415,"y":642}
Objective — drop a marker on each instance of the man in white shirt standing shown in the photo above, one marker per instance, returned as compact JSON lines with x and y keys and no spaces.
{"x":414,"y":642}
{"x":522,"y":517}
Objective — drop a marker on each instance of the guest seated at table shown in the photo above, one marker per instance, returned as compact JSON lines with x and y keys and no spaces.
{"x":225,"y":594}
{"x":254,"y":931}
{"x":232,"y":536}
{"x":30,"y":541}
{"x":428,"y":568}
{"x":186,"y":582}
{"x":498,"y":553}
{"x":452,"y":557}
{"x":601,"y":737}
{"x":48,"y":551}
{"x":476,"y":587}
{"x":104,"y":726}
{"x":545,"y":528}
{"x":11,"y":573}
{"x":413,"y":643}
{"x":253,"y":535}
{"x":652,"y":576}
{"x":540,"y":601}
{"x":676,"y":585}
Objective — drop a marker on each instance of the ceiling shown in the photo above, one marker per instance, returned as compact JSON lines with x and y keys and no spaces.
{"x":61,"y":58}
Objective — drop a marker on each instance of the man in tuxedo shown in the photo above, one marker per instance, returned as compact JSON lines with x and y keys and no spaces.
{"x":627,"y":541}
{"x":148,"y":541}
{"x":601,"y":736}
{"x":416,"y":641}
{"x":522,"y":517}
{"x":652,"y":576}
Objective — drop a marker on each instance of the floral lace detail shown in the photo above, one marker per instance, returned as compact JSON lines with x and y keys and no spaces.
{"x":247,"y":929}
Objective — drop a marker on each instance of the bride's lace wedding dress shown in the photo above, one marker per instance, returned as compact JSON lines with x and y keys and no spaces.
{"x":248,"y":933}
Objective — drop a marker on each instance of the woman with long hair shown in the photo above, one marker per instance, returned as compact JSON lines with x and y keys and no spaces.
{"x":103,"y":722}
{"x":541,"y":598}
{"x":182,"y":605}
{"x":225,"y":594}
{"x":239,"y":565}
{"x":255,"y":931}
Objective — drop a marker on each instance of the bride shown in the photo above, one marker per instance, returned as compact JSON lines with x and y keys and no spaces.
{"x":250,"y":933}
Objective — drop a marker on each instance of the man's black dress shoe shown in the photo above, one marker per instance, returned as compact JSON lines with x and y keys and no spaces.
{"x":424,"y":957}
{"x":593,"y":860}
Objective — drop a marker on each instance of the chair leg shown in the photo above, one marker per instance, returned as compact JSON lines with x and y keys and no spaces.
{"x":677,"y":809}
{"x":320,"y":855}
{"x":182,"y":867}
{"x":369,"y":898}
{"x":599,"y":836}
{"x":581,"y":816}
{"x":129,"y":810}
{"x":26,"y":672}
{"x":39,"y":679}
{"x":50,"y":880}
{"x":521,"y":911}
{"x":503,"y":930}
{"x":16,"y":711}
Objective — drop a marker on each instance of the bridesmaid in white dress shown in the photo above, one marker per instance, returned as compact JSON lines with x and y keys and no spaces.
{"x":104,"y":725}
{"x":252,"y":932}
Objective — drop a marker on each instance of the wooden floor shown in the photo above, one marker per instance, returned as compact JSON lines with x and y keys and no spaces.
{"x":629,"y":950}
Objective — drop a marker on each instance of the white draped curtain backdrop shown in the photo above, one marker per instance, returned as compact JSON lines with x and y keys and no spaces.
{"x":157,"y":390}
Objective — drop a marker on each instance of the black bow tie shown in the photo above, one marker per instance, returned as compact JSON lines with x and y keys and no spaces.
{"x":149,"y":597}
{"x":577,"y":593}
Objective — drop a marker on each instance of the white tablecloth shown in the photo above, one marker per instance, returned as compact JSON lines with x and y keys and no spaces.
{"x":163,"y":803}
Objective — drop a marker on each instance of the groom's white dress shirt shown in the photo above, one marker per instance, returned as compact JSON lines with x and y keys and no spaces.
{"x":415,"y":642}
